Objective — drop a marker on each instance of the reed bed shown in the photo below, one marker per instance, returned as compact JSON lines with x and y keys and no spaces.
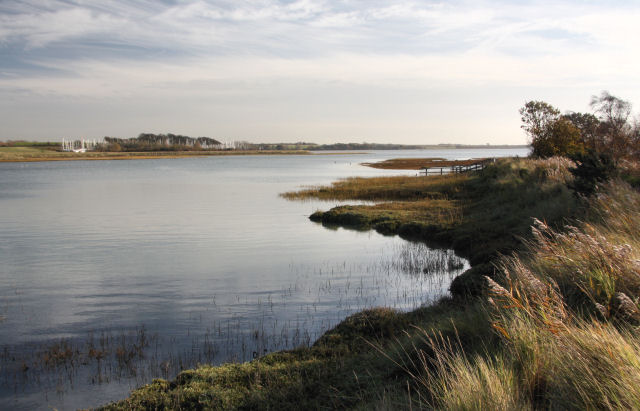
{"x":395,"y":188}
{"x":566,"y":312}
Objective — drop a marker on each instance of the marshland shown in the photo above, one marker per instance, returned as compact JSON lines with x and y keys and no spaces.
{"x":512,"y":287}
{"x":546,"y":318}
{"x":116,"y":273}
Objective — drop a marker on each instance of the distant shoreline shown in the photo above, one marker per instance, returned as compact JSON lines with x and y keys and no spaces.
{"x":31,"y":154}
{"x":25,"y":157}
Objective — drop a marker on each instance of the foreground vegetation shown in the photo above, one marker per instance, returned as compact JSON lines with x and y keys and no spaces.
{"x":552,"y":325}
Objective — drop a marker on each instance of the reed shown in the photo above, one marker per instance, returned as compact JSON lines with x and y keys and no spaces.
{"x":566,"y":313}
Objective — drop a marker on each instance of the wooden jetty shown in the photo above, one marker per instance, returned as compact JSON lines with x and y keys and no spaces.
{"x":456,"y":167}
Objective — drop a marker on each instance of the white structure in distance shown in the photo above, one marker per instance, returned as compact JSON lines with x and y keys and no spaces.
{"x":78,"y":146}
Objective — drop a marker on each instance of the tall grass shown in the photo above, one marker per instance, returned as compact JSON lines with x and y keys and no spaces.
{"x":565,"y":312}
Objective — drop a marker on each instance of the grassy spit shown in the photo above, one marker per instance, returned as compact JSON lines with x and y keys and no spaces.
{"x":480,"y":216}
{"x":420,"y":163}
{"x":552,"y":326}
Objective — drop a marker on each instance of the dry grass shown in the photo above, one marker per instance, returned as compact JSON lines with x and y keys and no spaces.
{"x":396,"y":188}
{"x":566,"y":312}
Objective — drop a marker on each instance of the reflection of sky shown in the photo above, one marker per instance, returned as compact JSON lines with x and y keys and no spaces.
{"x":240,"y":69}
{"x":124,"y":243}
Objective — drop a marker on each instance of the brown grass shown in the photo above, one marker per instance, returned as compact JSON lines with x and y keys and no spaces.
{"x":558,"y":352}
{"x":406,"y":188}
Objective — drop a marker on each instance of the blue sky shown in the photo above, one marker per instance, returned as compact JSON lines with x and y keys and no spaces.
{"x":415,"y":72}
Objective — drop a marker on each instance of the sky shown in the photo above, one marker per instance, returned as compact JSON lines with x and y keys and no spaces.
{"x":407,"y":72}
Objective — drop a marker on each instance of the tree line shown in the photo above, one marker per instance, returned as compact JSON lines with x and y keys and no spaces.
{"x":159,"y":142}
{"x":609,"y":130}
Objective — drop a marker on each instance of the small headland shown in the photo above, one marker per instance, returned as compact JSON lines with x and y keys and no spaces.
{"x":481,"y":215}
{"x":421,"y":163}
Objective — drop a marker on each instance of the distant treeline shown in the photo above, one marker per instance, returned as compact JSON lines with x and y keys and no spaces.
{"x":159,"y":142}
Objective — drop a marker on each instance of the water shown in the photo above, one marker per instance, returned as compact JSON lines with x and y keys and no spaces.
{"x":116,"y":272}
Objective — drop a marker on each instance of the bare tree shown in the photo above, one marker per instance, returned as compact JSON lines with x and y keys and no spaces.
{"x":615,"y":130}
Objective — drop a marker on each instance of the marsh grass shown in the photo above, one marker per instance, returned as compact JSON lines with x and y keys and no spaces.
{"x":566,"y":313}
{"x":392,"y":188}
{"x":480,"y":215}
{"x":554,"y":328}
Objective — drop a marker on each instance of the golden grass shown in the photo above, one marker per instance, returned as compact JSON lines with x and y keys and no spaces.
{"x":382,"y":188}
{"x":558,"y":351}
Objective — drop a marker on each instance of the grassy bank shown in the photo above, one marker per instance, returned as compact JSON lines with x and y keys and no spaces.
{"x":553,"y":328}
{"x":26,"y":154}
{"x":480,"y":216}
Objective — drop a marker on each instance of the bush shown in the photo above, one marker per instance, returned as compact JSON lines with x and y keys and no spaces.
{"x":592,"y":169}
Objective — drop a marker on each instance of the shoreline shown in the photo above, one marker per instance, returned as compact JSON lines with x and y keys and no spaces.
{"x":137,"y":155}
{"x":360,"y":348}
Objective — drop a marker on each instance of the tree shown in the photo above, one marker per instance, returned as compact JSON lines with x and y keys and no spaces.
{"x":588,"y":124}
{"x":607,"y":131}
{"x":613,"y":111}
{"x":615,"y":131}
{"x":536,"y":116}
{"x":551,"y":134}
{"x":560,"y":138}
{"x":592,"y":169}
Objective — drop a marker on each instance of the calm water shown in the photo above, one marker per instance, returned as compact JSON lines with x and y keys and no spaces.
{"x":116,"y":272}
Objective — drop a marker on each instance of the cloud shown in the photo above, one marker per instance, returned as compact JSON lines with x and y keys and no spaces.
{"x":243,"y":51}
{"x":310,"y":28}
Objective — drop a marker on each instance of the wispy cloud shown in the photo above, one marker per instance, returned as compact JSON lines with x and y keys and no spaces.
{"x":196,"y":48}
{"x":319,"y":27}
